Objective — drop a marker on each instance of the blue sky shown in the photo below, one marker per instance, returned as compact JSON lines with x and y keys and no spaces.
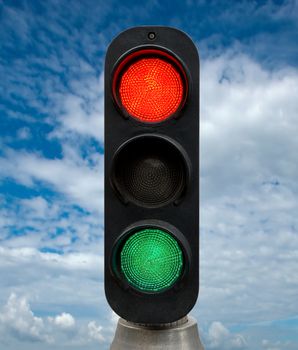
{"x":51,"y":169}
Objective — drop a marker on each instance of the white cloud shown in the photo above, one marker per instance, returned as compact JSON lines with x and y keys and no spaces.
{"x":248,"y":191}
{"x":51,"y":223}
{"x":268,"y":346}
{"x":82,"y":111}
{"x":52,"y":279}
{"x":71,"y":261}
{"x":95,"y":331}
{"x":220,"y":338}
{"x":248,"y":125}
{"x":81,"y":183}
{"x":18,"y":320}
{"x":64,"y":320}
{"x":277,"y":345}
{"x":38,"y":207}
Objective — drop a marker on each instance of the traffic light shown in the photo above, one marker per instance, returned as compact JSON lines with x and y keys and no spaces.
{"x":152,"y":174}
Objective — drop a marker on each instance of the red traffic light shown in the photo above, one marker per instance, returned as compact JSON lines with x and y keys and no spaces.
{"x":150,"y":86}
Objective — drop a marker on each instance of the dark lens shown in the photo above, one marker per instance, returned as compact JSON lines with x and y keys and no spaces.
{"x":150,"y":171}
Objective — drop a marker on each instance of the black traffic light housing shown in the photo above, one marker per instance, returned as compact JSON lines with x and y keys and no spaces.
{"x":152,"y":180}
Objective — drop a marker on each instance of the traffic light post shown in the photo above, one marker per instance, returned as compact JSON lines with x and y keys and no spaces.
{"x":180,"y":335}
{"x":152,"y":187}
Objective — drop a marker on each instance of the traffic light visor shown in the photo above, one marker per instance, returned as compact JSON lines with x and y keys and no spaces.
{"x":150,"y":86}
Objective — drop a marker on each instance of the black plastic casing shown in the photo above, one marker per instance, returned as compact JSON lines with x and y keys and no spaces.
{"x":181,"y":217}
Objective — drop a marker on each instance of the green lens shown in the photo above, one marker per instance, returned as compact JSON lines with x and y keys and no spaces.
{"x":151,"y":260}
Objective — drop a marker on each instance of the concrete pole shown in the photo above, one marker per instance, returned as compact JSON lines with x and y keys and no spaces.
{"x":180,"y":335}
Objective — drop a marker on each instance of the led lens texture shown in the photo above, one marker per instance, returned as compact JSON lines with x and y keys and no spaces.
{"x":150,"y":171}
{"x":151,"y":260}
{"x":151,"y":89}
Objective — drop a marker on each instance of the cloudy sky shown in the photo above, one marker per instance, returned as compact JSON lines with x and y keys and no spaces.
{"x":51,"y":169}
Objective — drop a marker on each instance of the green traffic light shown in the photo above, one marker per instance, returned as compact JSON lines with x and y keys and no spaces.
{"x":151,"y":260}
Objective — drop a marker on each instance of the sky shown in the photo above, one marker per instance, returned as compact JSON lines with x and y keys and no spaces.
{"x":51,"y":169}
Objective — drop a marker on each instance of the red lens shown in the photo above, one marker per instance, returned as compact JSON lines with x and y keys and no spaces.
{"x":151,"y":88}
